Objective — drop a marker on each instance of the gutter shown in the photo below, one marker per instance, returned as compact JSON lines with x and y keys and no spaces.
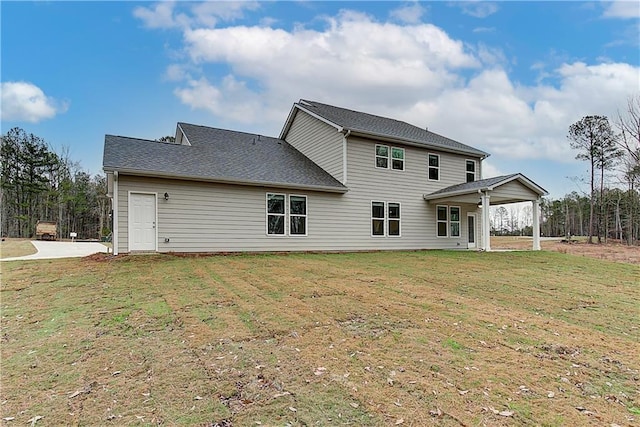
{"x":158,"y":174}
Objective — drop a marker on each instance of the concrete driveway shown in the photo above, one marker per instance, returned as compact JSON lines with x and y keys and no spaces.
{"x":50,"y":250}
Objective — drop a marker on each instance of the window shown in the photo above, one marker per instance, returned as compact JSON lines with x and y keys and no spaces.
{"x":454,"y":221}
{"x":434,"y":167}
{"x":382,"y":156}
{"x":394,"y":219}
{"x":377,"y":218}
{"x":471,"y":170}
{"x":298,"y":215}
{"x":397,"y":158}
{"x":385,"y":219}
{"x":275,"y":214}
{"x":442,"y":221}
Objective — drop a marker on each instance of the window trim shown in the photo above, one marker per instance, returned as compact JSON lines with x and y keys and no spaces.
{"x":384,"y":219}
{"x":475,"y":170}
{"x":382,"y":157}
{"x":399,"y":219}
{"x":389,"y":157}
{"x":267,"y":214}
{"x":305,"y":216}
{"x":392,"y":158}
{"x":446,"y":222}
{"x":451,"y":222}
{"x":429,"y":167}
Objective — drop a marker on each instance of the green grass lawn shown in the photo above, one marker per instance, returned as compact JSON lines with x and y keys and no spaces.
{"x":10,"y":248}
{"x":388,"y":338}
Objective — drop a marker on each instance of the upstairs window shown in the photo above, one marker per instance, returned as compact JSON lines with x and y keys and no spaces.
{"x":434,"y":167}
{"x":397,"y":158}
{"x":471,"y":170}
{"x":298,"y":215}
{"x":275,"y":214}
{"x":389,"y":156}
{"x":382,"y":156}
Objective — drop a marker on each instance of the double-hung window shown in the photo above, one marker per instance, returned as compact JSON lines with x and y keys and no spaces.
{"x":471,"y":170}
{"x":377,"y":218}
{"x":454,"y":221}
{"x":385,"y":219}
{"x":278,"y":211}
{"x":394,"y":219}
{"x":447,"y":221}
{"x":389,"y":157}
{"x":382,"y":156}
{"x":275,"y":214}
{"x":397,"y":158}
{"x":298,"y":215}
{"x":442,"y":220}
{"x":434,"y":167}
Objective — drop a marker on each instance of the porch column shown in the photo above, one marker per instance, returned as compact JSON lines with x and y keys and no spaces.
{"x":486,"y":222}
{"x":536,"y":224}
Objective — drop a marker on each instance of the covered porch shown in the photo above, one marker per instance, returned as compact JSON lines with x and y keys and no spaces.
{"x":488,"y":192}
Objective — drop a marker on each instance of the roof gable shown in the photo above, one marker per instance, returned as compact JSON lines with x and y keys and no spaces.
{"x":219,"y":155}
{"x":483,"y":185}
{"x":381,"y":127}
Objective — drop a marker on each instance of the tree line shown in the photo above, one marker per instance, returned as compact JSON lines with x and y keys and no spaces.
{"x":39,"y":184}
{"x":611,"y":207}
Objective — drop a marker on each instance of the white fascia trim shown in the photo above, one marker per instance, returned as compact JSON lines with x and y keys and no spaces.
{"x":152,"y":174}
{"x":287,"y":124}
{"x":322,"y":119}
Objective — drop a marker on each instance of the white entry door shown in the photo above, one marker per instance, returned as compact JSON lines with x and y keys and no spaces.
{"x":142,"y":222}
{"x":471,"y":231}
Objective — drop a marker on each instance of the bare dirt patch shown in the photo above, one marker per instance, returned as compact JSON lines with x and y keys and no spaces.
{"x":611,"y":251}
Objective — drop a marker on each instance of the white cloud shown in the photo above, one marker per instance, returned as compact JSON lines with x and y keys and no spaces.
{"x":409,"y":14}
{"x":23,"y":101}
{"x":159,"y":15}
{"x":625,"y":9}
{"x":478,"y":9}
{"x":164,"y":14}
{"x":460,"y":90}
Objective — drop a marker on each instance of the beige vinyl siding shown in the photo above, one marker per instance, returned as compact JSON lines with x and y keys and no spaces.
{"x":211,"y":217}
{"x":318,"y":141}
{"x":515,"y":191}
{"x":418,"y":217}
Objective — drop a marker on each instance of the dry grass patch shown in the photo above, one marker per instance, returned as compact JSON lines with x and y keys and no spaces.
{"x":406,"y":338}
{"x":10,"y":248}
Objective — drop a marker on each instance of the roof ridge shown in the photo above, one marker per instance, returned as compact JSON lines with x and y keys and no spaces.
{"x":230,"y":130}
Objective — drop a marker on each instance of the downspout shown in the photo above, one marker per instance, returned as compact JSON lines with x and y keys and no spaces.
{"x":345,"y":135}
{"x":114,"y":231}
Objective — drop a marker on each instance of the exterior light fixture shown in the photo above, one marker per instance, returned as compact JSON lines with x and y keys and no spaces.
{"x":166,"y":196}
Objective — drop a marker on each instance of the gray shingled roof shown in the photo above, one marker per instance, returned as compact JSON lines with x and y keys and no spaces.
{"x":385,"y":127}
{"x":219,"y":155}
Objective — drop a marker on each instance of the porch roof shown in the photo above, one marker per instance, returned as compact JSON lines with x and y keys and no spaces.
{"x":501,"y":189}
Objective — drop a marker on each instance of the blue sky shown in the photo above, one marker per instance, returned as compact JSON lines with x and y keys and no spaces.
{"x":505,"y":77}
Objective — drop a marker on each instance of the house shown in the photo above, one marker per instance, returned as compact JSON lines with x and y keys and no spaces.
{"x":334,"y":179}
